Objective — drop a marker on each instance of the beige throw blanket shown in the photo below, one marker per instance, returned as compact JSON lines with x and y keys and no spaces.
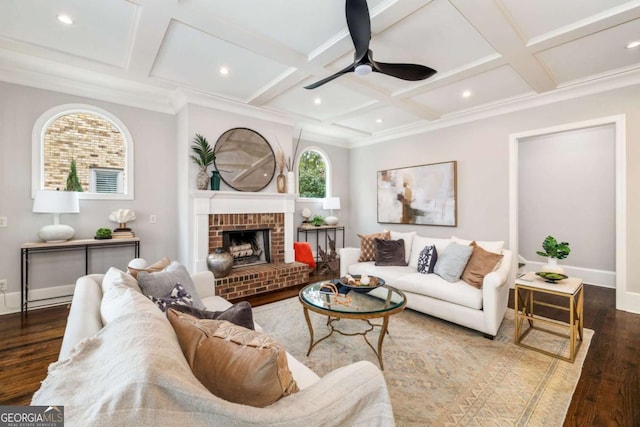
{"x":133,"y":373}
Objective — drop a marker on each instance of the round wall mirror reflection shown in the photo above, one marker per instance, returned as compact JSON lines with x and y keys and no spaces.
{"x":244,"y":159}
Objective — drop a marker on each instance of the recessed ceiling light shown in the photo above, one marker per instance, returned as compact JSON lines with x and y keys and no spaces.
{"x":633,"y":44}
{"x":466,"y":94}
{"x":378,"y":120}
{"x":65,"y":19}
{"x":224,"y":71}
{"x":317,"y":101}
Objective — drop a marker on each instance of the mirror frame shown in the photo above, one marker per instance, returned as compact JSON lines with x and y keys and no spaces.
{"x":223,"y":139}
{"x":37,"y":152}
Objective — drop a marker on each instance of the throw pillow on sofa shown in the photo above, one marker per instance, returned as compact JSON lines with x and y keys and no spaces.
{"x":480,"y":264}
{"x":120,"y":300}
{"x":389,"y":252}
{"x":232,"y":362}
{"x":452,"y":261}
{"x":408,"y":241}
{"x":427,"y":259}
{"x":161,"y":283}
{"x":239,"y":314}
{"x":114,"y":276}
{"x":177,"y":296}
{"x":368,"y":245}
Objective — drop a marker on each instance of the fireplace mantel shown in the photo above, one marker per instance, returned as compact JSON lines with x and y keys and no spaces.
{"x":205,"y":203}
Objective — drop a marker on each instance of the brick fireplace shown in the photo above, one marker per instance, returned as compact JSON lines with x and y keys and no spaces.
{"x":217,"y":212}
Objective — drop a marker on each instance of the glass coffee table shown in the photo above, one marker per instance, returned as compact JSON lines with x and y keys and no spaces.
{"x":359,"y":304}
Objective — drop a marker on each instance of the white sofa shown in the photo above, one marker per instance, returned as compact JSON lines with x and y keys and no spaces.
{"x":352,"y":395}
{"x":458,"y":302}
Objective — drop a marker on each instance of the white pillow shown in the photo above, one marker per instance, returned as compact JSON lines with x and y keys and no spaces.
{"x":120,"y":300}
{"x":115,"y":276}
{"x":408,"y":242}
{"x":419,"y":244}
{"x":491,"y":246}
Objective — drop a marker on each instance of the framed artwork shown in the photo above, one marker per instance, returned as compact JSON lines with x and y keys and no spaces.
{"x":423,"y":195}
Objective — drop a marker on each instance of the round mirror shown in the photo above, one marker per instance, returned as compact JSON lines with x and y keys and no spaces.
{"x":244,"y":159}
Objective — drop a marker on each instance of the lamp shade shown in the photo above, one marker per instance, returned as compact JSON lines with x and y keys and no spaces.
{"x":331,"y":203}
{"x":49,"y":201}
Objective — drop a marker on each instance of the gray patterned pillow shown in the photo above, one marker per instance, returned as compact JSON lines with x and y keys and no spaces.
{"x":452,"y":261}
{"x":427,"y":259}
{"x":161,"y":283}
{"x":177,"y":296}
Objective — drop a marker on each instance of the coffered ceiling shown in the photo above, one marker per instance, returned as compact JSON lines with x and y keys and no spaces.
{"x":487,"y":53}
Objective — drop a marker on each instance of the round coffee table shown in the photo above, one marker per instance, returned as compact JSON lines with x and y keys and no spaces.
{"x":381,"y":302}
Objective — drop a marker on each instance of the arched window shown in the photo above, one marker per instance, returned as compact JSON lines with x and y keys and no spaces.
{"x":83,"y":148}
{"x":313,"y":174}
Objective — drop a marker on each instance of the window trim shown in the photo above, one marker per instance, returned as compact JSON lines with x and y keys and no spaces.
{"x":328,"y":178}
{"x":37,"y":153}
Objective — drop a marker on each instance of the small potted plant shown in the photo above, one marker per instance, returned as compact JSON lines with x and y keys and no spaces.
{"x":553,"y":251}
{"x":203,"y":156}
{"x":317,"y":221}
{"x":103,"y":233}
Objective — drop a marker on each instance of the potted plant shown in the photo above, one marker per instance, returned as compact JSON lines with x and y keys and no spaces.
{"x":317,"y":221}
{"x":103,"y":233}
{"x":203,"y":156}
{"x":554,"y":251}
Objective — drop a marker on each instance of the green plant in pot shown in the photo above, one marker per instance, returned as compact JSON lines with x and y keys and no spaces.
{"x":203,"y":156}
{"x":317,"y":220}
{"x":103,"y":233}
{"x":553,"y":251}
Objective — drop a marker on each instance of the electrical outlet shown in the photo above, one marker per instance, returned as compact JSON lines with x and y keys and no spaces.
{"x":153,"y":219}
{"x":3,"y":221}
{"x":3,"y":284}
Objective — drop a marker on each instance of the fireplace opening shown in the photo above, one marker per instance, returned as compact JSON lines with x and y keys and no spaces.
{"x":248,"y":247}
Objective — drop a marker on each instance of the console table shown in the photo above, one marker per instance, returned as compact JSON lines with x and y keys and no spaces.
{"x":85,"y":245}
{"x":323,"y":232}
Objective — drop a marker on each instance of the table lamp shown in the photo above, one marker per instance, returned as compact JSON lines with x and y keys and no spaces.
{"x":331,"y":203}
{"x":56,"y":202}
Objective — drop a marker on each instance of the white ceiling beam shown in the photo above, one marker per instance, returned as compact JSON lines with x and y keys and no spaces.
{"x":150,"y":29}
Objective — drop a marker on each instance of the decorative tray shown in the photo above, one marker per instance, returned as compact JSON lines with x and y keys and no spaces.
{"x":551,"y":277}
{"x":353,"y":282}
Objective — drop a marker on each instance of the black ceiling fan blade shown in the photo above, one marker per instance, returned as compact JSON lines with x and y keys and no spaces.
{"x":345,"y":70}
{"x":359,"y":24}
{"x":411,"y":72}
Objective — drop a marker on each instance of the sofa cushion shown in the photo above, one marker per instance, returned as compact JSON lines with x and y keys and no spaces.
{"x":389,"y":252}
{"x":161,"y":283}
{"x":177,"y":296}
{"x":480,"y":264}
{"x":452,"y":261}
{"x":434,"y":286}
{"x":120,"y":300}
{"x":419,"y":243}
{"x":368,"y":247}
{"x":408,"y":241}
{"x":232,"y":362}
{"x":427,"y":259}
{"x":239,"y":314}
{"x":494,"y":246}
{"x":115,"y":276}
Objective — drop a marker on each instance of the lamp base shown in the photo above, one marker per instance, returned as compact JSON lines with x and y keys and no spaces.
{"x":331,"y":220}
{"x":56,"y":233}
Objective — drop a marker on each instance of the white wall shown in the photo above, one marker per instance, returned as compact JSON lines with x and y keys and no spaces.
{"x":567,"y":189}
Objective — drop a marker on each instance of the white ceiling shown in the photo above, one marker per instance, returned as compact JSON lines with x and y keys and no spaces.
{"x":498,"y":50}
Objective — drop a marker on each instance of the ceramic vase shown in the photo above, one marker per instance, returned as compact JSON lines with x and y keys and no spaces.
{"x":202,"y":180}
{"x":281,"y":181}
{"x":291,"y":182}
{"x":220,"y":263}
{"x":552,"y":266}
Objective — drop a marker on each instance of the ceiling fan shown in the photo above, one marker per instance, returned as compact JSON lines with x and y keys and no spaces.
{"x":359,"y":24}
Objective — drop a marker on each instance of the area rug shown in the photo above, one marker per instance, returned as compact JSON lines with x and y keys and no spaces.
{"x":441,"y":374}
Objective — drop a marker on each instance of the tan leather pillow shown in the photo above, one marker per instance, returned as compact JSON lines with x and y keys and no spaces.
{"x":480,"y":264}
{"x":232,"y":362}
{"x":368,"y":245}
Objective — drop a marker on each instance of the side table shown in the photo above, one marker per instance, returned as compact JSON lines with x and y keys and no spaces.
{"x":524,"y":302}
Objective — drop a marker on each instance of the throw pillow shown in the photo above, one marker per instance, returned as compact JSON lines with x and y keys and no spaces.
{"x":368,"y":245}
{"x":494,"y":246}
{"x":120,"y":300}
{"x":239,"y":314}
{"x":427,"y":259}
{"x":419,"y":243}
{"x":139,"y":264}
{"x":389,"y":252}
{"x":480,"y":264}
{"x":232,"y":362}
{"x":304,"y":254}
{"x":451,"y":262}
{"x":408,"y":241}
{"x":161,"y":283}
{"x":177,"y":296}
{"x":115,"y":276}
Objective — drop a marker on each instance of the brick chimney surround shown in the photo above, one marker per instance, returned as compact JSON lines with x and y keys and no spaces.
{"x":217,"y":211}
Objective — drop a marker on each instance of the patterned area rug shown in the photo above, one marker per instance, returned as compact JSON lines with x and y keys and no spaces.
{"x":441,"y":374}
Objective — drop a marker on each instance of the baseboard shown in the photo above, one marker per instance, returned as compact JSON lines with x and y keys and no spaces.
{"x":604,"y":278}
{"x":55,"y":295}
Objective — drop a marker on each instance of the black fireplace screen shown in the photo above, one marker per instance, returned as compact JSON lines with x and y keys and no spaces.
{"x":248,"y":247}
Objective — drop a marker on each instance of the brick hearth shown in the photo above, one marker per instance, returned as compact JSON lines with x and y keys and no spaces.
{"x":256,"y":279}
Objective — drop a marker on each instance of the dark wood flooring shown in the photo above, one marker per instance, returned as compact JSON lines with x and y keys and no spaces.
{"x":608,"y":393}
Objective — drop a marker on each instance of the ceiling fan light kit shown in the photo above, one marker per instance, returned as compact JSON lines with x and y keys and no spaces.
{"x":359,"y":23}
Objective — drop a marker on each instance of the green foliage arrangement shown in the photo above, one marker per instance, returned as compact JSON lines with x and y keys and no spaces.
{"x":203,"y":154}
{"x":313,"y":175}
{"x":73,"y":182}
{"x":317,"y":220}
{"x":103,"y":233}
{"x":553,"y":249}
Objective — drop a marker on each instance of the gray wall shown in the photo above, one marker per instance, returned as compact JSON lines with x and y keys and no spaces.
{"x":567,"y":189}
{"x":155,"y":189}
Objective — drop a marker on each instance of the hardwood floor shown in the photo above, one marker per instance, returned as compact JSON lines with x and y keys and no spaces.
{"x":608,"y":393}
